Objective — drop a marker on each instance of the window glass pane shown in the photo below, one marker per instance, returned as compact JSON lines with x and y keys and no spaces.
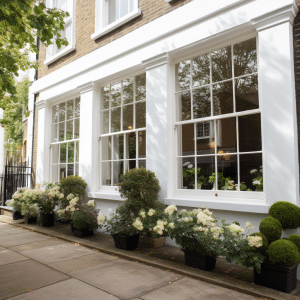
{"x":205,"y":169}
{"x":55,"y":153}
{"x":115,"y":94}
{"x":70,"y":169}
{"x":55,"y":114}
{"x":227,"y":172}
{"x":55,"y":173}
{"x":186,"y":134}
{"x":106,"y":148}
{"x":77,"y":151}
{"x":131,"y":145}
{"x":201,"y":102}
{"x":76,"y":129}
{"x":105,"y":121}
{"x":116,"y":119}
{"x":62,"y":111}
{"x":63,"y":152}
{"x":71,"y":152}
{"x":250,"y":133}
{"x":184,"y":105}
{"x":128,"y":91}
{"x":70,"y":106}
{"x":62,"y":131}
{"x":62,"y":171}
{"x":221,"y":64}
{"x":128,"y":117}
{"x":69,"y":132}
{"x":140,"y":115}
{"x":201,"y":70}
{"x":245,"y":57}
{"x":251,"y":172}
{"x":117,"y":172}
{"x":113,"y":14}
{"x":77,"y":107}
{"x":54,"y":133}
{"x":226,"y":135}
{"x":76,"y":169}
{"x":205,"y":137}
{"x":223,"y":98}
{"x":106,"y":173}
{"x":129,"y":164}
{"x":187,"y":177}
{"x":105,"y":97}
{"x":123,"y":8}
{"x":142,"y":164}
{"x":246,"y":93}
{"x":183,"y":75}
{"x":140,"y":91}
{"x":118,"y":150}
{"x":142,"y":144}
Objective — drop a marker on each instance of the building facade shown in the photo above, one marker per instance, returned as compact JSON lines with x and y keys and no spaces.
{"x":200,"y":92}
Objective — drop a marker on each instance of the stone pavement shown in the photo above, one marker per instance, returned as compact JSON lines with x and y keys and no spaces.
{"x":49,"y":266}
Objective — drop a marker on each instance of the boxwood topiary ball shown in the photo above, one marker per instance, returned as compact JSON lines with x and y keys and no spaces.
{"x":288,"y":214}
{"x":265,"y":245}
{"x":295,"y":238}
{"x":271,"y":228}
{"x":283,"y":253}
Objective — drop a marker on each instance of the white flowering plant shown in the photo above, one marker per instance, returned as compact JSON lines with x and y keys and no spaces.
{"x":29,"y":210}
{"x":258,"y":180}
{"x":198,"y":231}
{"x":241,"y":248}
{"x":120,"y":224}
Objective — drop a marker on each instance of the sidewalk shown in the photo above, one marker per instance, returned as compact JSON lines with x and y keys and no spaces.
{"x":44,"y":264}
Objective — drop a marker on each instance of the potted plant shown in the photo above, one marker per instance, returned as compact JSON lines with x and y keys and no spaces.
{"x":30,"y":212}
{"x":85,"y":218}
{"x":16,"y":203}
{"x":199,"y":236}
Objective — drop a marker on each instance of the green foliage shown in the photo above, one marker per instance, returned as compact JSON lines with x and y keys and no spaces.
{"x":265,"y":245}
{"x":120,"y":224}
{"x":85,"y":217}
{"x":72,"y":185}
{"x":295,"y":238}
{"x":29,"y":210}
{"x":21,"y":21}
{"x":288,"y":214}
{"x":140,"y":188}
{"x":284,"y":253}
{"x":271,"y":228}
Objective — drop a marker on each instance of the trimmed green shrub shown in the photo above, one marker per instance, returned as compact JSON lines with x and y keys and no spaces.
{"x":283,"y":253}
{"x":265,"y":245}
{"x":271,"y":228}
{"x":295,"y":238}
{"x":288,"y":214}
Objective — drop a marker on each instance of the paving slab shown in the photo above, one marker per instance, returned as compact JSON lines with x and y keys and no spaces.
{"x":191,"y":289}
{"x":37,"y":245}
{"x":68,"y":289}
{"x":20,"y":277}
{"x":125,"y":279}
{"x":5,"y":226}
{"x":22,"y":238}
{"x":12,"y":230}
{"x":52,"y":254}
{"x":7,"y":257}
{"x":78,"y":263}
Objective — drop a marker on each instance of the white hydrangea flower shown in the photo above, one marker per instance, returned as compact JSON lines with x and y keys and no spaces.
{"x":256,"y":182}
{"x":249,"y":225}
{"x":151,"y":212}
{"x":70,"y":196}
{"x":159,"y":229}
{"x":253,"y":171}
{"x":170,"y":209}
{"x":143,"y":214}
{"x":186,"y":219}
{"x":207,"y":212}
{"x":255,"y":241}
{"x":236,"y":230}
{"x":171,"y":225}
{"x":91,"y":203}
{"x":138,"y":224}
{"x":101,"y":219}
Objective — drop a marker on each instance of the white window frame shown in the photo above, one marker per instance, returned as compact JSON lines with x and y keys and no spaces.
{"x":50,"y":56}
{"x":101,"y":18}
{"x":217,"y":194}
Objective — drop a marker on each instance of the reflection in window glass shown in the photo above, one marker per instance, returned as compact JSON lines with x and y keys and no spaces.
{"x":201,"y":70}
{"x":188,"y":139}
{"x":140,"y":82}
{"x":62,"y":111}
{"x":128,"y":117}
{"x":183,"y":75}
{"x":223,"y":98}
{"x":116,"y":119}
{"x":140,"y":115}
{"x":142,"y":144}
{"x":115,"y":91}
{"x":118,"y":9}
{"x":205,"y":171}
{"x":187,"y":172}
{"x":226,"y":135}
{"x":227,"y":172}
{"x":128,"y":91}
{"x":201,"y":103}
{"x":205,"y":138}
{"x":70,"y":109}
{"x":184,"y":104}
{"x":221,"y":64}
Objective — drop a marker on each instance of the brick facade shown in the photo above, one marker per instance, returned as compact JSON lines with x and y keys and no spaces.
{"x":85,"y":27}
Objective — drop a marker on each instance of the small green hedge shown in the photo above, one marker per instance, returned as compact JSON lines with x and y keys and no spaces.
{"x":271,"y":228}
{"x":284,"y":253}
{"x":288,"y":214}
{"x":295,"y":238}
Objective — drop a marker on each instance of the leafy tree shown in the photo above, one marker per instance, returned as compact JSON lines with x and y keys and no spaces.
{"x":20,"y":22}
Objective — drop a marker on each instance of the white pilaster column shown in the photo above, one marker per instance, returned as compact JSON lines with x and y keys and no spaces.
{"x":157,"y":119}
{"x":43,"y":142}
{"x":89,"y":98}
{"x":278,"y":105}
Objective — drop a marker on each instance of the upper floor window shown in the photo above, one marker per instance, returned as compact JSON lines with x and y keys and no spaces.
{"x":111,"y":14}
{"x":53,"y":52}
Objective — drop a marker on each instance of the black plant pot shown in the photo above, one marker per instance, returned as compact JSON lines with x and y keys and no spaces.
{"x":81,"y":233}
{"x":17,"y":215}
{"x":277,"y":277}
{"x":196,"y":260}
{"x":47,"y":219}
{"x":31,"y":220}
{"x":126,"y":242}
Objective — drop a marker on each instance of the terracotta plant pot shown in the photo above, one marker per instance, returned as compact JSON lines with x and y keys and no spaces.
{"x":47,"y":219}
{"x":277,"y":277}
{"x":196,"y":260}
{"x":129,"y":242}
{"x":82,"y":233}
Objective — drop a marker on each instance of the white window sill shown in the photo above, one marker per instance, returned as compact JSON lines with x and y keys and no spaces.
{"x":60,"y":54}
{"x":107,"y":195}
{"x":240,"y":205}
{"x":135,"y":13}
